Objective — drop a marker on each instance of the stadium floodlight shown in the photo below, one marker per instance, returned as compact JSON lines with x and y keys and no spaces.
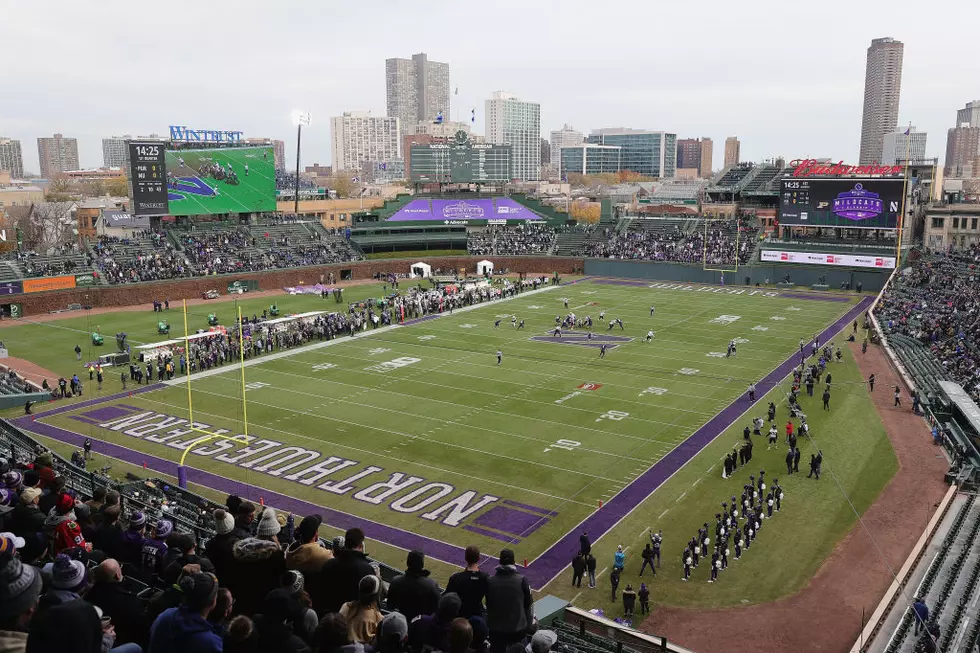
{"x":300,"y":119}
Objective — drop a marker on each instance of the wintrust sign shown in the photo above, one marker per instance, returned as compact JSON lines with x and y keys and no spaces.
{"x":813,"y":168}
{"x":841,"y":260}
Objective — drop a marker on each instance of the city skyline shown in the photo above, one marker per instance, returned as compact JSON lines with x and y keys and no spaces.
{"x":796,"y":105}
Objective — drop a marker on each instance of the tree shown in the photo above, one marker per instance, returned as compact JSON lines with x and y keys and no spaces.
{"x":586,"y":212}
{"x":344,"y":186}
{"x":48,"y":225}
{"x":117,"y":187}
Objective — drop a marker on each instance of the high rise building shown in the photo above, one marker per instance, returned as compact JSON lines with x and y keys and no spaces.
{"x":688,"y":153}
{"x":563,"y":137}
{"x":359,"y":138}
{"x":57,"y":154}
{"x":707,"y":155}
{"x":733,"y":151}
{"x":962,"y":150}
{"x":512,"y":121}
{"x":882,"y":89}
{"x":417,"y":89}
{"x":590,"y":159}
{"x":898,"y":146}
{"x":11,"y":157}
{"x":969,"y":115}
{"x":114,"y":154}
{"x":649,"y":153}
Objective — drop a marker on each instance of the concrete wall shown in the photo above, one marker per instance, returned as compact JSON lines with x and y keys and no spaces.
{"x":802,"y":275}
{"x":130,"y":294}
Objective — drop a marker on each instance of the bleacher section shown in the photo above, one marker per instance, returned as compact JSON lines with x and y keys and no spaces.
{"x":49,"y":265}
{"x":517,"y":240}
{"x":764,"y":174}
{"x":576,"y":240}
{"x":731,"y":177}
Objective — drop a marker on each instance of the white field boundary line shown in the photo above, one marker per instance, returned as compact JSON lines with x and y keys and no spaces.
{"x":273,"y":429}
{"x":329,"y":343}
{"x":741,"y":416}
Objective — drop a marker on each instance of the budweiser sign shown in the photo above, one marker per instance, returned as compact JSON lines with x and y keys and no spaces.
{"x":813,"y":168}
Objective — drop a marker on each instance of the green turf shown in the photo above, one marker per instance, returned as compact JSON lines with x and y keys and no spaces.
{"x":255,"y":192}
{"x":454,"y":416}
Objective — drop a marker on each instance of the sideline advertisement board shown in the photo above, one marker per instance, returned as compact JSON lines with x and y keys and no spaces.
{"x":49,"y":283}
{"x":824,"y":258}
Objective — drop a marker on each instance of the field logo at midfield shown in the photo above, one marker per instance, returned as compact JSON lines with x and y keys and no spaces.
{"x":330,"y":475}
{"x":582,"y":340}
{"x":590,"y":386}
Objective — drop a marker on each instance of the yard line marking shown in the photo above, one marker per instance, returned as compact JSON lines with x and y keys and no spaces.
{"x":604,"y":569}
{"x":695,"y":482}
{"x":576,"y":598}
{"x":683,"y":494}
{"x":662,"y":514}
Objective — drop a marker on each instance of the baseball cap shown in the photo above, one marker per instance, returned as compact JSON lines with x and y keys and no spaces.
{"x":542,"y":641}
{"x":309,"y":527}
{"x":394,"y":624}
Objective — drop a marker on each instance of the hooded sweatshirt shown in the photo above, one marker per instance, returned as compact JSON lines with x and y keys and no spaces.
{"x":180,"y":630}
{"x":64,"y":531}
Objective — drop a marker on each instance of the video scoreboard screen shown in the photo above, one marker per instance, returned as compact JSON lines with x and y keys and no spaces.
{"x":148,"y":173}
{"x":850,"y":203}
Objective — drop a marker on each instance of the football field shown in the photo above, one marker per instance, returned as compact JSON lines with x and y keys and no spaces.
{"x":418,"y":435}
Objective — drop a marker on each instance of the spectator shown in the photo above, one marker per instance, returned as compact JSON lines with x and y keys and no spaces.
{"x":20,"y":587}
{"x":155,"y":548}
{"x":432,"y":631}
{"x":275,"y":631}
{"x":108,"y":537}
{"x":257,"y":565}
{"x":242,"y":637}
{"x":470,"y":584}
{"x":221,"y":612}
{"x":244,"y":516}
{"x":132,"y":540}
{"x":97,"y":500}
{"x":509,"y":604}
{"x":393,"y":633}
{"x":67,"y":579}
{"x":28,"y":523}
{"x":332,"y":636}
{"x":171,"y":596}
{"x":76,"y":626}
{"x":185,"y":546}
{"x":413,"y":593}
{"x":60,"y":526}
{"x":340,"y":577}
{"x":185,"y":629}
{"x":219,"y":547}
{"x":127,"y":611}
{"x":306,"y":554}
{"x":363,"y":615}
{"x":542,"y":641}
{"x":460,"y":636}
{"x":303,"y":617}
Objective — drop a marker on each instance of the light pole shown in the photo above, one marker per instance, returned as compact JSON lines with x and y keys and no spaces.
{"x":300,"y":118}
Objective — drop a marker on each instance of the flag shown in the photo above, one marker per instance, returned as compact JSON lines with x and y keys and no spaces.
{"x":473,"y":115}
{"x":457,"y":91}
{"x":439,"y":118}
{"x":908,"y":130}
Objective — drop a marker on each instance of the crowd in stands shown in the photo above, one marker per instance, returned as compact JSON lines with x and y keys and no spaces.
{"x":640,"y":245}
{"x":670,"y":244}
{"x":937,"y":302}
{"x":522,"y":239}
{"x":99,"y":574}
{"x":286,"y":180}
{"x":144,"y":256}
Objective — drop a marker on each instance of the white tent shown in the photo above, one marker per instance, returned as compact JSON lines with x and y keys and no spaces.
{"x":420,"y":269}
{"x":484,"y":267}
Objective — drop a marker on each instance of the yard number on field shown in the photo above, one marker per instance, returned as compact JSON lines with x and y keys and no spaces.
{"x":378,"y":350}
{"x":319,"y":367}
{"x":427,"y":337}
{"x":613,"y":415}
{"x":760,"y":328}
{"x":567,"y":445}
{"x":255,"y":385}
{"x":654,"y":391}
{"x":715,"y":354}
{"x":689,"y":371}
{"x":725,"y":319}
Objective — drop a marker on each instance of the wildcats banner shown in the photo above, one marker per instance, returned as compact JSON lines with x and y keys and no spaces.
{"x":818,"y":258}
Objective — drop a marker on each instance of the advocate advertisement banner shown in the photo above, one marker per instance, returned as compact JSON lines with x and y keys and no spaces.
{"x":452,"y":212}
{"x":49,"y":283}
{"x":84,"y":280}
{"x":823,"y":258}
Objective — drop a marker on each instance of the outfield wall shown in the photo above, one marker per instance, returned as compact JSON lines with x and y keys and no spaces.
{"x":802,"y":275}
{"x":143,"y":293}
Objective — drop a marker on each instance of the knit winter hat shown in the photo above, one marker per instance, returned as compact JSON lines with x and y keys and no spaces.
{"x":416,"y":560}
{"x":64,"y":504}
{"x":507,"y":557}
{"x":12,"y":480}
{"x":223,"y":522}
{"x":268,"y":524}
{"x":45,"y":459}
{"x":293,"y":581}
{"x":10,"y":542}
{"x":20,"y":586}
{"x":137,"y":520}
{"x":46,"y":476}
{"x":6,"y":497}
{"x":163,"y":529}
{"x":66,"y":574}
{"x":368,"y":588}
{"x":31,"y":478}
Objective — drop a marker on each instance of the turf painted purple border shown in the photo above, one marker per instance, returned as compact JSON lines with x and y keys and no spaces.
{"x":547,"y":565}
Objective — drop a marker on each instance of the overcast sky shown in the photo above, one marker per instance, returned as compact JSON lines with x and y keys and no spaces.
{"x":786,"y":77}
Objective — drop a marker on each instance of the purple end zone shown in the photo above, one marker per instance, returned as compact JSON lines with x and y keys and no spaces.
{"x":524,"y":506}
{"x":496,"y":536}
